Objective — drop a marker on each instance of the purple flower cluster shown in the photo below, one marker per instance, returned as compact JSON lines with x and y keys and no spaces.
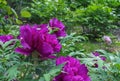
{"x":5,"y":38}
{"x":72,"y":70}
{"x":97,"y":54}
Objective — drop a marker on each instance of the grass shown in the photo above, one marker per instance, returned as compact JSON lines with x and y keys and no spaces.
{"x":92,"y":46}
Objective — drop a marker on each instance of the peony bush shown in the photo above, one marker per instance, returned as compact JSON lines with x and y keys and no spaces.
{"x":46,"y":53}
{"x":38,"y":44}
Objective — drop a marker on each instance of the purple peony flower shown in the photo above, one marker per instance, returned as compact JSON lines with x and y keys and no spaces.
{"x":107,"y":40}
{"x":58,"y":27}
{"x":6,"y":17}
{"x":95,"y":65}
{"x":36,"y":39}
{"x":42,"y":28}
{"x":5,"y":38}
{"x":72,"y":70}
{"x":96,"y":53}
{"x":103,"y":58}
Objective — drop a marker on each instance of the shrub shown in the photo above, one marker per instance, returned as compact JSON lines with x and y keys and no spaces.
{"x":96,"y":20}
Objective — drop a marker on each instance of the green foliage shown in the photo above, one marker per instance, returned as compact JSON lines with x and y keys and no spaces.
{"x":70,"y":45}
{"x":52,"y":73}
{"x":25,"y":13}
{"x":16,"y":67}
{"x":92,"y":18}
{"x":8,"y":60}
{"x":8,"y":18}
{"x":96,"y":20}
{"x":108,"y":70}
{"x":96,"y":17}
{"x":43,"y":10}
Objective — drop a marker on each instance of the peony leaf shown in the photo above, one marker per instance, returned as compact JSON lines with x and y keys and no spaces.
{"x":25,"y":14}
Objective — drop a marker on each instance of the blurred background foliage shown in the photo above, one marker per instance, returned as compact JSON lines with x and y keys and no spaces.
{"x":92,"y":18}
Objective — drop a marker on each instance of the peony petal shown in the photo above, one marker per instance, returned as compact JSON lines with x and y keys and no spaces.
{"x":55,"y":23}
{"x":60,"y":60}
{"x":5,"y":38}
{"x":23,"y":51}
{"x":46,"y":49}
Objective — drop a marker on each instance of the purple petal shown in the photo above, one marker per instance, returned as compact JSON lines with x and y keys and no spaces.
{"x":43,"y":28}
{"x":83,"y":70}
{"x":103,"y":58}
{"x":5,"y":38}
{"x":54,"y":22}
{"x":23,"y":51}
{"x":46,"y":49}
{"x":60,"y":60}
{"x":96,"y":53}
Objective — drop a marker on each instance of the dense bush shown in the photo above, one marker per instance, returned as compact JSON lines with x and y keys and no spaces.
{"x":96,"y":20}
{"x":43,"y":10}
{"x":95,"y":17}
{"x":9,"y":20}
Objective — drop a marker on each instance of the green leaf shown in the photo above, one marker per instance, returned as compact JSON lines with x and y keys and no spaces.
{"x":8,"y":43}
{"x":9,"y":10}
{"x":14,"y":13}
{"x":52,"y":73}
{"x":25,"y":14}
{"x":1,"y":43}
{"x":12,"y":72}
{"x":18,"y":21}
{"x":41,"y":79}
{"x":3,"y":1}
{"x":100,"y":63}
{"x":47,"y":77}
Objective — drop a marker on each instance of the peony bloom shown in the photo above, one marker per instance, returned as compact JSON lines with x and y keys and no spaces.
{"x":107,"y":40}
{"x":103,"y":58}
{"x":42,"y":28}
{"x":5,"y":38}
{"x":36,"y":39}
{"x":72,"y":70}
{"x":58,"y":27}
{"x":96,"y":53}
{"x":95,"y":65}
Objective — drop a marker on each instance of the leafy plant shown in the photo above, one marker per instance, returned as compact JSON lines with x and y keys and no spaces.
{"x":96,"y":20}
{"x":106,"y":70}
{"x":69,"y":45}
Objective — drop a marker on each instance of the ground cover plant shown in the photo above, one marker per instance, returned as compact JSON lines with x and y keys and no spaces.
{"x":59,"y":40}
